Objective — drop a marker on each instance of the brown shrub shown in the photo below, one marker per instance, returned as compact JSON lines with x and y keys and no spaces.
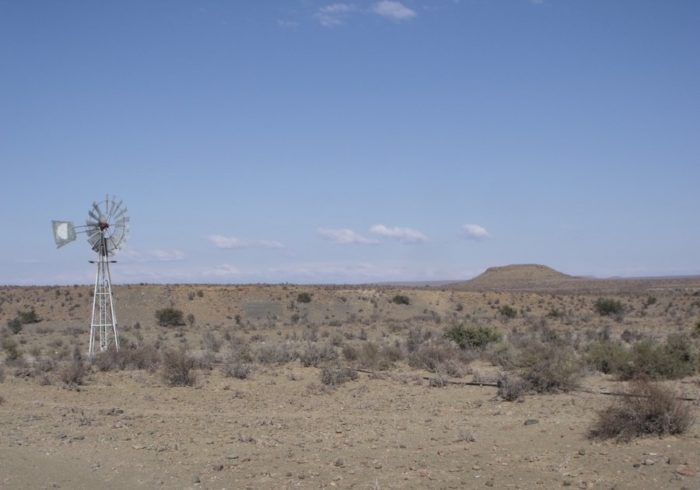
{"x":73,"y":373}
{"x":334,"y":375}
{"x":649,"y":410}
{"x":177,"y":368}
{"x":314,"y":355}
{"x":511,"y":388}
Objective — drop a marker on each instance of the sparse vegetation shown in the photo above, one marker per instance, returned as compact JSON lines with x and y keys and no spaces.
{"x":649,"y":409}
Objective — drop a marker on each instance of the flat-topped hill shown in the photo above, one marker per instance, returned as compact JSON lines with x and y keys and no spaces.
{"x":519,"y":276}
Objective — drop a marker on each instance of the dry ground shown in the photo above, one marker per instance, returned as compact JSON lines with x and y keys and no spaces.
{"x":282,"y":428}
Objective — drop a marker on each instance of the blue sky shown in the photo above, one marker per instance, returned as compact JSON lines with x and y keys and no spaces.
{"x":317,"y":141}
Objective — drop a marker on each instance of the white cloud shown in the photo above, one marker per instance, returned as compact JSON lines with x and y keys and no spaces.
{"x":403,"y":234}
{"x":344,"y":236}
{"x":232,"y":242}
{"x":157,"y":255}
{"x":475,"y":232}
{"x":334,"y":14}
{"x":393,"y":10}
{"x":221,"y":270}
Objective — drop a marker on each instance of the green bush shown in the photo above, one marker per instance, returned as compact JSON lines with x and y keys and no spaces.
{"x":550,"y":368}
{"x":649,"y":410}
{"x":472,"y":337}
{"x":401,"y":299}
{"x":28,"y":316}
{"x":508,"y":311}
{"x":169,"y":317}
{"x":608,"y":357}
{"x":12,"y":352}
{"x":15,"y":325}
{"x":608,"y":307}
{"x":674,"y":359}
{"x":303,"y":298}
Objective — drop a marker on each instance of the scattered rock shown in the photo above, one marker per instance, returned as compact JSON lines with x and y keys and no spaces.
{"x":339,"y":463}
{"x":649,"y":462}
{"x":217,"y":467}
{"x":582,"y":452}
{"x":196,"y":479}
{"x":531,"y":422}
{"x":685,"y":470}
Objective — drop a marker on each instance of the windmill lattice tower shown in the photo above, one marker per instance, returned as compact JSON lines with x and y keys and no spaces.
{"x":106,"y":228}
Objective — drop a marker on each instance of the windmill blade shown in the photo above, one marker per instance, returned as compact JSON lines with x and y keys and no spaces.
{"x":120,"y":230}
{"x":94,"y":215}
{"x":114,"y":208}
{"x":100,"y":214}
{"x":120,"y":214}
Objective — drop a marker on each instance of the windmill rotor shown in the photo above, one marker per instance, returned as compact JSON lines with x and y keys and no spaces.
{"x":106,"y":226}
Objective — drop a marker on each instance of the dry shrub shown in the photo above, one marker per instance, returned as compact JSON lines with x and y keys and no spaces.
{"x":371,"y":356}
{"x":314,"y":355}
{"x":12,"y":352}
{"x":440,"y":356}
{"x":607,"y":357}
{"x":234,"y":368}
{"x":350,"y":352}
{"x":178,"y":368}
{"x":2,"y":374}
{"x":73,"y":373}
{"x":550,"y":368}
{"x":511,"y":387}
{"x":276,"y":353}
{"x":144,"y":356}
{"x":649,"y":409}
{"x":334,"y":375}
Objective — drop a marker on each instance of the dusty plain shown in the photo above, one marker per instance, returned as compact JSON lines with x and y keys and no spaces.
{"x":278,"y":425}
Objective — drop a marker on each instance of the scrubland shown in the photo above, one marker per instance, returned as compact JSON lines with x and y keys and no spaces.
{"x":286,"y":386}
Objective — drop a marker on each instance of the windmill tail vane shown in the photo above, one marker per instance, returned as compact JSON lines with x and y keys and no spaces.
{"x":106,"y":228}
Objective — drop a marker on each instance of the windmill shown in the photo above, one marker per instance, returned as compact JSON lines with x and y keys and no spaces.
{"x":105,"y":228}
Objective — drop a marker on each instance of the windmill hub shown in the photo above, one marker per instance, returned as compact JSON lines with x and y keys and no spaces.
{"x":105,"y":215}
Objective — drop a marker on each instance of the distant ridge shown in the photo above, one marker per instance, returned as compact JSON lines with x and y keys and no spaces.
{"x":519,"y":276}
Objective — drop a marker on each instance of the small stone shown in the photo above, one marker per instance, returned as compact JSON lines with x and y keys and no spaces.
{"x":217,"y":467}
{"x":649,"y":462}
{"x":685,"y":470}
{"x":339,"y":462}
{"x":489,"y":483}
{"x":476,"y":467}
{"x":567,"y":483}
{"x":531,"y":422}
{"x":196,"y":479}
{"x":582,"y":452}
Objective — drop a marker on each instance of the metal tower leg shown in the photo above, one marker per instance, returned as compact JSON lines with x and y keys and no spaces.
{"x":103,"y":318}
